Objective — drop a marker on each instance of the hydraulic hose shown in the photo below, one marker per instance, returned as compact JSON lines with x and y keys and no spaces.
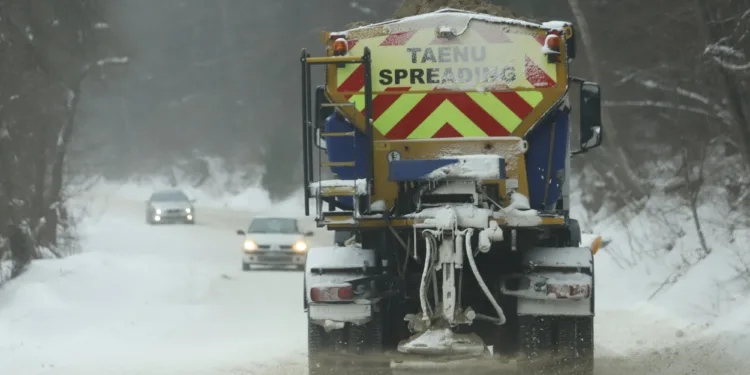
{"x":433,"y":274}
{"x":501,"y":317}
{"x":425,"y":272}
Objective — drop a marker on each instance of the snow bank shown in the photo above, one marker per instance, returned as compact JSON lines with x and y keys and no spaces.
{"x":6,"y":269}
{"x":652,"y":264}
{"x":88,"y":304}
{"x":147,"y":300}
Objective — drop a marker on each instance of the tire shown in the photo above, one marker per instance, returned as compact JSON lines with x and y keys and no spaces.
{"x":574,"y":235}
{"x":317,"y":349}
{"x":365,"y":345}
{"x":576,"y":345}
{"x":557,"y":345}
{"x":535,"y":336}
{"x":245,"y":266}
{"x":353,"y":350}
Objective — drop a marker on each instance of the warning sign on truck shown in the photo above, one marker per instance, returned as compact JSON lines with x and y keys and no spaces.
{"x":476,"y":60}
{"x":461,"y":65}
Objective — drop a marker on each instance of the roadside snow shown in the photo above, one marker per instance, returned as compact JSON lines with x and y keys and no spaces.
{"x":654,"y":268}
{"x":6,"y":269}
{"x":149,"y":300}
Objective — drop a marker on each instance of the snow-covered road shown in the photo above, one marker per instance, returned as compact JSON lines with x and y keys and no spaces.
{"x":173,"y":300}
{"x":152,"y":300}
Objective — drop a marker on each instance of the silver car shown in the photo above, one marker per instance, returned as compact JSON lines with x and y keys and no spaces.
{"x":274,"y":241}
{"x":169,"y":206}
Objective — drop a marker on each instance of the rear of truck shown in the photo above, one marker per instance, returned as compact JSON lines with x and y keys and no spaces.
{"x":449,"y":137}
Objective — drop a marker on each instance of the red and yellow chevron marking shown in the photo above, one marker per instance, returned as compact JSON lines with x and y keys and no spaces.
{"x":495,"y":82}
{"x":401,"y":115}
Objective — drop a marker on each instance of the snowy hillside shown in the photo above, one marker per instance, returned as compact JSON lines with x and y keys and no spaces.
{"x":654,"y":262}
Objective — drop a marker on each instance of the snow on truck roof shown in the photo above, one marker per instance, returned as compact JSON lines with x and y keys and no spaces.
{"x":467,"y":16}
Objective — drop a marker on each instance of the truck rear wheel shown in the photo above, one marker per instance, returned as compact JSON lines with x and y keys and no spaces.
{"x":536,"y":344}
{"x":318,"y":346}
{"x":365,"y":344}
{"x":352,"y":350}
{"x":562,"y":345}
{"x":576,"y":345}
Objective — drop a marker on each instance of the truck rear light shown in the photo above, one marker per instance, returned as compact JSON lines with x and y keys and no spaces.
{"x":553,"y":42}
{"x":596,"y":245}
{"x":332,"y":293}
{"x":568,"y":291}
{"x":340,"y":47}
{"x":346,"y":293}
{"x":552,"y":45}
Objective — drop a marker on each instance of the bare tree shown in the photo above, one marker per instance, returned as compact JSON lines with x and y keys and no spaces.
{"x":48,"y":49}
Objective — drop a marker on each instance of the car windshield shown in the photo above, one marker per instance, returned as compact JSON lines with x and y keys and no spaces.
{"x":273,"y":225}
{"x":169,"y":196}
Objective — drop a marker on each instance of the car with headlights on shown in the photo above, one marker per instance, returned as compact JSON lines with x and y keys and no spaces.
{"x":274,"y":241}
{"x":170,"y":206}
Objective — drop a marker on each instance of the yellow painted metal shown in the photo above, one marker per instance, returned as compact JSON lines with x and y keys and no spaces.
{"x":337,"y":164}
{"x":508,"y":60}
{"x":337,"y":191}
{"x":334,"y":59}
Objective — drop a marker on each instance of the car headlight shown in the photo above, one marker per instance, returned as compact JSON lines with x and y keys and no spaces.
{"x":250,"y":245}
{"x":158,"y":211}
{"x":188,"y":210}
{"x":300,"y":246}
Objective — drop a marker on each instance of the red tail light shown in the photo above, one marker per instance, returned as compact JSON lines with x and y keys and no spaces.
{"x":332,"y":294}
{"x":346,"y":293}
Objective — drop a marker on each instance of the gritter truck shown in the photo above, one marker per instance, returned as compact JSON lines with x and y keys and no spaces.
{"x":438,"y":151}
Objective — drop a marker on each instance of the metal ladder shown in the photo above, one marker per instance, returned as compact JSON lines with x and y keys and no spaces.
{"x":309,"y":131}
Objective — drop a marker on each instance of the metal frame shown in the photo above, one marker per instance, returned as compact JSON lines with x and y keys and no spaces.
{"x":308,"y":132}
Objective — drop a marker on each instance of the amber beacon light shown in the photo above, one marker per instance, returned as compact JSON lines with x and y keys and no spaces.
{"x":340,"y":47}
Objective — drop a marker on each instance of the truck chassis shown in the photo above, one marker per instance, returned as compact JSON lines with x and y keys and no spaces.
{"x":527,"y":301}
